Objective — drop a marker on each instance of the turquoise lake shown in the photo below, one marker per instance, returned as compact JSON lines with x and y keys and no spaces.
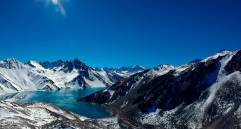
{"x":65,"y":99}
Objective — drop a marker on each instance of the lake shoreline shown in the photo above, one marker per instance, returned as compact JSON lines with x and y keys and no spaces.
{"x":65,"y":99}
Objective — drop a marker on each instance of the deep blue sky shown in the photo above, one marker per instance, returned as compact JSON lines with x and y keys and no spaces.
{"x":119,"y":32}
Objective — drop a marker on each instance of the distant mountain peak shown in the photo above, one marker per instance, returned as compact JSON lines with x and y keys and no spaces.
{"x":165,"y":66}
{"x":12,"y":60}
{"x":66,"y":66}
{"x":34,"y":64}
{"x":133,"y":68}
{"x":11,"y":63}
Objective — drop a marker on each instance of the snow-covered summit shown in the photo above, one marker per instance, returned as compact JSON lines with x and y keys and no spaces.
{"x":11,"y":64}
{"x":219,"y":54}
{"x":35,"y":64}
{"x":66,"y":66}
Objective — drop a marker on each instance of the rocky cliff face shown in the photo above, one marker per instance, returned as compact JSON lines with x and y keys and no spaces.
{"x":202,"y":94}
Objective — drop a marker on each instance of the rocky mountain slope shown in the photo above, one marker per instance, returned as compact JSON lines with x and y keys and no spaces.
{"x":204,"y":94}
{"x":45,"y":116}
{"x":17,"y":76}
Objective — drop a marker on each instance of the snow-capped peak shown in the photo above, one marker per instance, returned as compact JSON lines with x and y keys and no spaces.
{"x":219,"y":54}
{"x":35,"y":64}
{"x":165,"y":66}
{"x":11,"y":64}
{"x":66,"y":66}
{"x":160,"y":70}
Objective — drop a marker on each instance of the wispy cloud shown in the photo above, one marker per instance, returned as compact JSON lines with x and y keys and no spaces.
{"x":57,"y":4}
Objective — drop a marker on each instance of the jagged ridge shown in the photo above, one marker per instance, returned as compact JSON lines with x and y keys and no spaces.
{"x":17,"y":76}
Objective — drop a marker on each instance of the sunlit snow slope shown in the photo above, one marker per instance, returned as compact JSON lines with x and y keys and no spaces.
{"x":17,"y":76}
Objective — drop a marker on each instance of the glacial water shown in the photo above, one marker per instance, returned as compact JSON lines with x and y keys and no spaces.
{"x":65,"y":99}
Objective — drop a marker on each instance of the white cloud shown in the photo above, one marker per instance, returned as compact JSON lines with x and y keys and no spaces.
{"x":61,"y":9}
{"x":57,"y":4}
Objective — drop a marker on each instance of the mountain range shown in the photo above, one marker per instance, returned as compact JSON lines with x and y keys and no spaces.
{"x":204,"y":94}
{"x":33,"y":75}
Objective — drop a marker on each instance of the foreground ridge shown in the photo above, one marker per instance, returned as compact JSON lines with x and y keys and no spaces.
{"x":204,"y":94}
{"x":46,"y":116}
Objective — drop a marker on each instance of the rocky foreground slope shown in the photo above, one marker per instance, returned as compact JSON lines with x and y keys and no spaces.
{"x":45,"y":116}
{"x":204,"y":94}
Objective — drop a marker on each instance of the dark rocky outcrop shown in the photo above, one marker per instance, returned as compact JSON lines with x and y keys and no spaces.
{"x":235,"y":63}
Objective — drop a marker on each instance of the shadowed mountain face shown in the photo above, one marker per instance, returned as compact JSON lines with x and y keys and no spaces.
{"x":202,"y":94}
{"x":66,"y":66}
{"x":234,"y":64}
